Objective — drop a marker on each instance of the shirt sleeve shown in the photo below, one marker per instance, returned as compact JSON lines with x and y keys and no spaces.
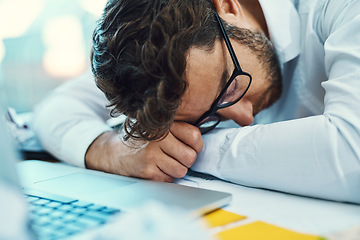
{"x":71,"y":118}
{"x":317,"y":156}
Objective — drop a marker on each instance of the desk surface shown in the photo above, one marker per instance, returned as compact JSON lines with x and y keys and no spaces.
{"x":302,"y":214}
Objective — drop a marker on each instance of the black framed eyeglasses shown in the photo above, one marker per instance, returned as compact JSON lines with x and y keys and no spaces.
{"x":233,"y":91}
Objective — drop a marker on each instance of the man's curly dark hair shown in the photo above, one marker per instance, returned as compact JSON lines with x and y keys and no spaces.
{"x":139,"y":58}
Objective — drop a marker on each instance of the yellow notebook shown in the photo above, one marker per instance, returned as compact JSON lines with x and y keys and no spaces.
{"x":221,"y":217}
{"x":263,"y":231}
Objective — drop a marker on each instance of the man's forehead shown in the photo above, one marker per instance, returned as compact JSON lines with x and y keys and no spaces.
{"x":206,"y":74}
{"x":218,"y":55}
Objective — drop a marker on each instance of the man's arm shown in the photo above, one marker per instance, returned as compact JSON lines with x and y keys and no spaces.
{"x":70,"y":118}
{"x":306,"y":156}
{"x":71,"y":124}
{"x":317,"y":156}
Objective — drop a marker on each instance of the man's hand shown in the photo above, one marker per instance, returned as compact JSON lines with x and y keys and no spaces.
{"x":159,"y":160}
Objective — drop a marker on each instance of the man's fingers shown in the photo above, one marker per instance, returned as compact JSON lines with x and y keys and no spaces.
{"x":171,"y":167}
{"x":188,"y":134}
{"x":179,"y":151}
{"x":148,"y":168}
{"x":161,"y":176}
{"x":167,"y":156}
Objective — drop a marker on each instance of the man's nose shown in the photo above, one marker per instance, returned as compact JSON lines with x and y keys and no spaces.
{"x":241,"y":112}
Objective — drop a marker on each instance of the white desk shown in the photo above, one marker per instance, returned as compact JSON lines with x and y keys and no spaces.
{"x":302,"y":214}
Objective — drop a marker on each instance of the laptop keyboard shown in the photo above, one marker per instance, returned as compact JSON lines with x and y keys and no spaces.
{"x":58,"y":217}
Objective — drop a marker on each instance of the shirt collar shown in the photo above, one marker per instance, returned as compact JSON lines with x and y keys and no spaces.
{"x":283,"y":22}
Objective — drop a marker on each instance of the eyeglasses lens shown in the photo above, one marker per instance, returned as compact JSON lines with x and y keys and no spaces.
{"x":208,"y":123}
{"x":236,"y":90}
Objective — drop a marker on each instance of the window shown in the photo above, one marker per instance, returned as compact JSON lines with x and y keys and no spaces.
{"x":43,"y":43}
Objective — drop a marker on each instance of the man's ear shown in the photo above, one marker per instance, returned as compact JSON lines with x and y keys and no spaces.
{"x":227,"y":7}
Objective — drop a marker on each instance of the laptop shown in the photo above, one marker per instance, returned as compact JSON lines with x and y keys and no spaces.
{"x":87,"y":198}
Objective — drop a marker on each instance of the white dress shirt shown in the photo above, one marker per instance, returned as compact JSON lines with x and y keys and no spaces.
{"x":307,"y":143}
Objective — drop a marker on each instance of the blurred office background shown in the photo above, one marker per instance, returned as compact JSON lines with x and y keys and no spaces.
{"x":43,"y":43}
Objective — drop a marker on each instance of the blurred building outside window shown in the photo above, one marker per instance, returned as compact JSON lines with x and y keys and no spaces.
{"x":43,"y":43}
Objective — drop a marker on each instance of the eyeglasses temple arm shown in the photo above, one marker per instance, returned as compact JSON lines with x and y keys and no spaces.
{"x":227,"y":42}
